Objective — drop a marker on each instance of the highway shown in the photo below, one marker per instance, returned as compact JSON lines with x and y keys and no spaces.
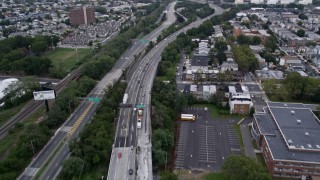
{"x":48,"y":162}
{"x":139,"y":89}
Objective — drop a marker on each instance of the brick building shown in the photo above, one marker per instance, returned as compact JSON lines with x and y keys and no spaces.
{"x":288,"y":135}
{"x":82,"y":15}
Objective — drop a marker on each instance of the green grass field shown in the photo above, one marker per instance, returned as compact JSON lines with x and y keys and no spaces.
{"x":215,"y":111}
{"x":238,"y":130}
{"x":63,"y":59}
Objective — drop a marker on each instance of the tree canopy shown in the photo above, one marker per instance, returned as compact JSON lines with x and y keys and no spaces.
{"x":301,"y":33}
{"x":244,"y":168}
{"x":245,"y":58}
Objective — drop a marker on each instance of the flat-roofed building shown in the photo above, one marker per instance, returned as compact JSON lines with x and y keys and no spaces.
{"x":288,"y":134}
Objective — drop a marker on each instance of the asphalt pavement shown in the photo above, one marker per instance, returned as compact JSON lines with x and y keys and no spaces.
{"x":247,"y":141}
{"x":56,"y":148}
{"x":204,"y":144}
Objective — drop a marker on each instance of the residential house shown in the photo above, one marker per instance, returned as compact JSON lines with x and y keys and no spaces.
{"x":228,"y":65}
{"x":239,"y":100}
{"x":289,"y":60}
{"x":199,"y":62}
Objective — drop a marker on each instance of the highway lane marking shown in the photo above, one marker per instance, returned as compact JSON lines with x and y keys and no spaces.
{"x":127,"y":121}
{"x":79,"y":120}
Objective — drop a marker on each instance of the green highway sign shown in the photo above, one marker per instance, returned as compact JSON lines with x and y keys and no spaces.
{"x":94,"y":99}
{"x":144,"y":40}
{"x":141,"y":106}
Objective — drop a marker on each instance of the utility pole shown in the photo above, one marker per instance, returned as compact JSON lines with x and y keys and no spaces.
{"x":30,"y":49}
{"x":77,"y":55}
{"x":51,"y":42}
{"x":165,"y":166}
{"x":69,"y":105}
{"x":33,"y":147}
{"x":81,"y":170}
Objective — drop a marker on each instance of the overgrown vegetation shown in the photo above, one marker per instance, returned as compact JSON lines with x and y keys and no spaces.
{"x":293,"y":88}
{"x":94,"y":151}
{"x":20,"y":153}
{"x":243,"y":167}
{"x":192,"y":10}
{"x":245,"y":58}
{"x":94,"y":147}
{"x":15,"y":55}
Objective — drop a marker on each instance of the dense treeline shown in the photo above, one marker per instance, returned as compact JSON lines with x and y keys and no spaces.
{"x":293,"y":88}
{"x":95,"y":150}
{"x":245,"y":58}
{"x":20,"y":153}
{"x":166,"y":102}
{"x":193,"y":9}
{"x":15,"y":55}
{"x":94,"y":147}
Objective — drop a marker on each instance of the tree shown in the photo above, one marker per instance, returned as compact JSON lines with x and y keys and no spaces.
{"x":72,"y":168}
{"x":243,"y":167}
{"x":221,"y":56}
{"x":303,"y":16}
{"x":221,"y":46}
{"x":242,"y":39}
{"x":301,"y":33}
{"x":101,"y":10}
{"x":271,"y":44}
{"x":39,"y":47}
{"x":90,"y":43}
{"x":256,"y":40}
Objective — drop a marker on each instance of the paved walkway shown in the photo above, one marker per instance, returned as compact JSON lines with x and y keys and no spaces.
{"x":247,"y":141}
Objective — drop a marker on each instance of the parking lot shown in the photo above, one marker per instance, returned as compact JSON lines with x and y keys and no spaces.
{"x":205,"y":143}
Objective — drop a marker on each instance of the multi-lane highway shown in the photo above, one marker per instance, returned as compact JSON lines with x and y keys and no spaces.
{"x":48,"y":163}
{"x":122,"y":162}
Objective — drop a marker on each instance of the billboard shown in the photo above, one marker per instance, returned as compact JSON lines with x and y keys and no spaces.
{"x":44,"y":95}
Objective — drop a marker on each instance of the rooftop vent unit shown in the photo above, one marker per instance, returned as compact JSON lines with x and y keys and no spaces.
{"x":318,"y":146}
{"x":285,"y":105}
{"x":292,"y":112}
{"x":306,"y":133}
{"x":289,"y":141}
{"x":298,"y":121}
{"x":309,"y":145}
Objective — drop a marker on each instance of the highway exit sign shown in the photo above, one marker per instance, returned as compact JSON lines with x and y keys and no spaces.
{"x":141,"y":106}
{"x":94,"y":99}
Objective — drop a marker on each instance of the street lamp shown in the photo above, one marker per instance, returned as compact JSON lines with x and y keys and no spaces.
{"x":52,"y":42}
{"x":30,"y":49}
{"x":77,"y":55}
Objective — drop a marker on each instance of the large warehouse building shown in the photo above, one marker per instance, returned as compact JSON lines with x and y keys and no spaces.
{"x":289,"y":137}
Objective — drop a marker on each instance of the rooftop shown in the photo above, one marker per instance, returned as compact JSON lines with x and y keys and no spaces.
{"x":291,"y":131}
{"x":298,"y":126}
{"x":198,"y":60}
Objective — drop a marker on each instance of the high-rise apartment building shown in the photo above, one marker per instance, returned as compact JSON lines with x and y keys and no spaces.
{"x":82,"y":15}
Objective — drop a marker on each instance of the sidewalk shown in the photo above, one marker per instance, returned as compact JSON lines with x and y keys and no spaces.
{"x":247,"y":141}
